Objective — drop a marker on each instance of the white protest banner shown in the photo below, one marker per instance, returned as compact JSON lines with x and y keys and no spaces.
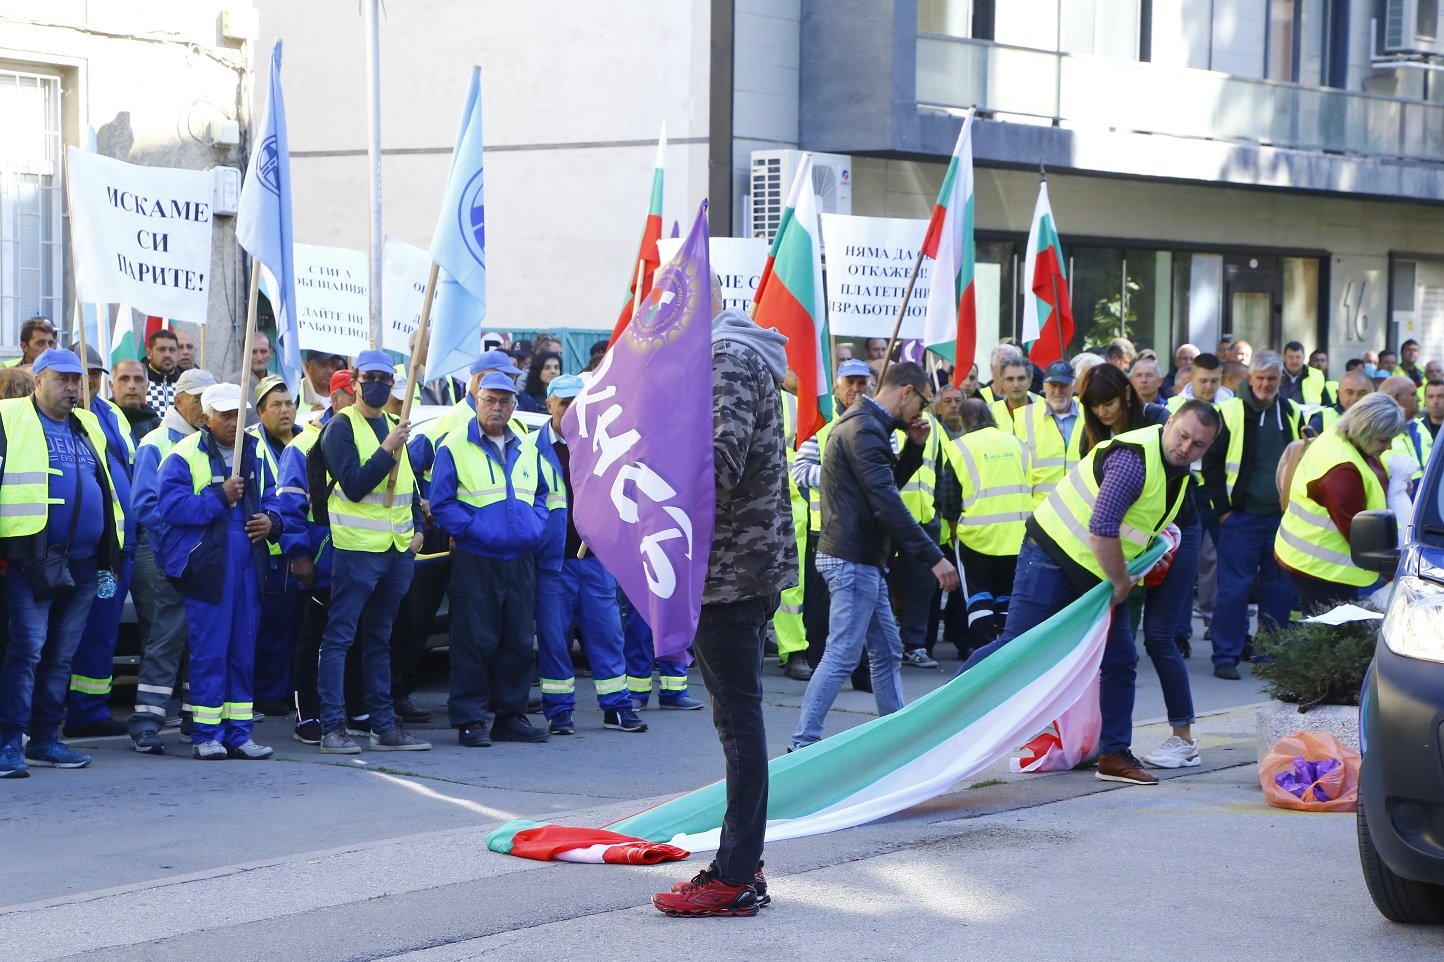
{"x":737,"y":261}
{"x":141,"y":235}
{"x":869,"y":260}
{"x":403,"y":287}
{"x":333,"y":299}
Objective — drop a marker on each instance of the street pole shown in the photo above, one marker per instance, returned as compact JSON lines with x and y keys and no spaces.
{"x":373,"y":155}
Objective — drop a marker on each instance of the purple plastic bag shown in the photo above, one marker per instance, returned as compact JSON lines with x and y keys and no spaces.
{"x":1306,"y":775}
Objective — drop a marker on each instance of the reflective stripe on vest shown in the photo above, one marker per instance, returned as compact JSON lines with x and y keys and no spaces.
{"x":918,"y":492}
{"x":482,"y":481}
{"x":1049,"y":459}
{"x":814,"y":493}
{"x":368,"y":525}
{"x":1232,"y":411}
{"x":1308,"y":541}
{"x":997,"y":498}
{"x":25,"y":491}
{"x":1066,"y":513}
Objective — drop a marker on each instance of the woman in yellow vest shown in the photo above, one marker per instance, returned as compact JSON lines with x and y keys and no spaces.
{"x":1339,"y":476}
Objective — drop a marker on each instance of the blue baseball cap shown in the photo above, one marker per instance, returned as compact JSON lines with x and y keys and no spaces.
{"x":565,"y":385}
{"x":496,"y":381}
{"x":494,"y":361}
{"x":374,"y":360}
{"x":58,"y":359}
{"x":853,"y":367}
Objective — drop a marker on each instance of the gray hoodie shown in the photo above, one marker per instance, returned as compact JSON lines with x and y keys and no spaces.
{"x":733,"y":325}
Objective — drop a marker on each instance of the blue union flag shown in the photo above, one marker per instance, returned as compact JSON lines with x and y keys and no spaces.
{"x":458,"y":246}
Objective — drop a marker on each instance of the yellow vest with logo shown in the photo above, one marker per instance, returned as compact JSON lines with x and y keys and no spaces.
{"x":368,"y":525}
{"x":25,"y":492}
{"x":996,"y":494}
{"x":1066,"y":513}
{"x":1233,"y":412}
{"x":1049,"y":458}
{"x":1308,"y":541}
{"x":481,"y":481}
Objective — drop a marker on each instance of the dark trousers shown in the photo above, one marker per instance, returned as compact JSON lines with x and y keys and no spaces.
{"x":419,"y":605}
{"x":815,"y":604}
{"x":276,"y":632}
{"x":493,"y":606}
{"x":989,"y":590}
{"x":1316,"y":595}
{"x":307,"y":655}
{"x":912,"y":587}
{"x":728,"y":647}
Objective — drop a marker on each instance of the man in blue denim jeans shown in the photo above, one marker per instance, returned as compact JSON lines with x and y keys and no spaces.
{"x":862,"y":516}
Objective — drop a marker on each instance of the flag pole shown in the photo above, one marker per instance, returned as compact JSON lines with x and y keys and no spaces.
{"x":373,"y":156}
{"x":249,"y":341}
{"x":75,"y":279}
{"x":201,"y":348}
{"x":897,"y":325}
{"x":1057,"y":315}
{"x":413,"y":371}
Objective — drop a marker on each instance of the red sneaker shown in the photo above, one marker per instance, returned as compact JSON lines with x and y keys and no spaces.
{"x":759,"y":883}
{"x":707,"y":895}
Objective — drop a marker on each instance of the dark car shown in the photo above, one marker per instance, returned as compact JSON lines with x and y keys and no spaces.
{"x":1401,"y":784}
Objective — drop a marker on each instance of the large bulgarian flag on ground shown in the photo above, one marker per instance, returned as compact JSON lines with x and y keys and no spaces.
{"x":648,"y":258}
{"x":790,"y":300}
{"x":1047,"y":311}
{"x":950,"y":328}
{"x":884,"y":766}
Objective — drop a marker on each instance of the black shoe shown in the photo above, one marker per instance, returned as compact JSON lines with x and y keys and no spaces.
{"x":473,"y":736}
{"x":622,"y":720}
{"x":188,"y":723}
{"x":1226,"y":671}
{"x":517,"y":729}
{"x":275,"y":706}
{"x":356,"y":727}
{"x":99,"y":729}
{"x":562,"y":724}
{"x":308,"y":732}
{"x":407,"y":711}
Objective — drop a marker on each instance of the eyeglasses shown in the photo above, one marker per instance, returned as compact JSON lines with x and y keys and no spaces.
{"x":376,"y":378}
{"x":497,"y":402}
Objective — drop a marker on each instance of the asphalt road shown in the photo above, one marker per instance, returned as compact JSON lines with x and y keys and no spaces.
{"x":382,"y":856}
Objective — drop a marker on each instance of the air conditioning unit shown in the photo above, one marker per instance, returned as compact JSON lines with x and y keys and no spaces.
{"x":772,"y":175}
{"x":1409,"y":26}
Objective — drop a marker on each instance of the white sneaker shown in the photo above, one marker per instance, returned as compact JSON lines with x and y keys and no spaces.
{"x":211,"y":751}
{"x":1174,"y":753}
{"x":250,"y":751}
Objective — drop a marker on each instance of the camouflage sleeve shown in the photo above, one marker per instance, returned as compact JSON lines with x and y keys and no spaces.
{"x":734,"y":412}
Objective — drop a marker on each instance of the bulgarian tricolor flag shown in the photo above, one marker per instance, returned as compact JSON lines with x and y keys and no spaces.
{"x":790,"y":300}
{"x":883,"y":766}
{"x":950,"y":328}
{"x":122,"y":339}
{"x":648,"y":259}
{"x":1047,"y":312}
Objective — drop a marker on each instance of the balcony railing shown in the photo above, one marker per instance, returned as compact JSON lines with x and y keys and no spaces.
{"x":1081,"y":92}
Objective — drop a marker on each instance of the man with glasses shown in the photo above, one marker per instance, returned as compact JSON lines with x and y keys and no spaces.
{"x":376,"y":531}
{"x":862,"y":515}
{"x":490,"y":492}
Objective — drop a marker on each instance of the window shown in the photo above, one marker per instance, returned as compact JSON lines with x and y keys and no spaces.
{"x":1298,"y":41}
{"x":31,"y":257}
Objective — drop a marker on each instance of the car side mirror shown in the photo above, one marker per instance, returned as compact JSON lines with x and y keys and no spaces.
{"x":1374,"y":541}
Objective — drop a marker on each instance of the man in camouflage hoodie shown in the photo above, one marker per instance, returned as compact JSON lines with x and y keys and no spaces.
{"x":754,"y":557}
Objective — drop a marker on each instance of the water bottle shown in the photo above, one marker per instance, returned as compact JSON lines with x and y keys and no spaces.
{"x":104,"y":584}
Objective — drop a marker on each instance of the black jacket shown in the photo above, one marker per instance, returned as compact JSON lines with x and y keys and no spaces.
{"x":862,"y":511}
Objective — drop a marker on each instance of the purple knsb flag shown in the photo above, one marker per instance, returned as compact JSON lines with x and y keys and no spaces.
{"x":644,"y":495}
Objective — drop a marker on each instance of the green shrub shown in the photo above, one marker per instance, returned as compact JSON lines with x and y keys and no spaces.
{"x":1317,"y":664}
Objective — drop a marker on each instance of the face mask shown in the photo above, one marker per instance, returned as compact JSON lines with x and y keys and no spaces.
{"x":375,"y":394}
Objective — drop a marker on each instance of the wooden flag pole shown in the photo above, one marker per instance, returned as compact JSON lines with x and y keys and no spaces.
{"x":897,"y":325}
{"x":80,"y":333}
{"x":201,"y":348}
{"x":413,"y":371}
{"x":255,"y":293}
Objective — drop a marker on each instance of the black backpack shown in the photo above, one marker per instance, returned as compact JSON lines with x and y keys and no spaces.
{"x":319,"y":479}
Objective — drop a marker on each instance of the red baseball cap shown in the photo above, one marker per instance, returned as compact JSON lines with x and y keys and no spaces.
{"x":341,"y":381}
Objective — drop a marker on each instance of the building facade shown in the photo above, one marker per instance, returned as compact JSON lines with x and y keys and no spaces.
{"x":161,"y":83}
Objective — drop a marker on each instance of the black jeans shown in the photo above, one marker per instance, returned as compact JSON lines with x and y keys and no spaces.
{"x":913,"y":589}
{"x":728,"y":647}
{"x":412,"y":630}
{"x":307,"y":654}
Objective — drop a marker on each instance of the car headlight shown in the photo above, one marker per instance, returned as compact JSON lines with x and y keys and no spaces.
{"x":1414,"y":623}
